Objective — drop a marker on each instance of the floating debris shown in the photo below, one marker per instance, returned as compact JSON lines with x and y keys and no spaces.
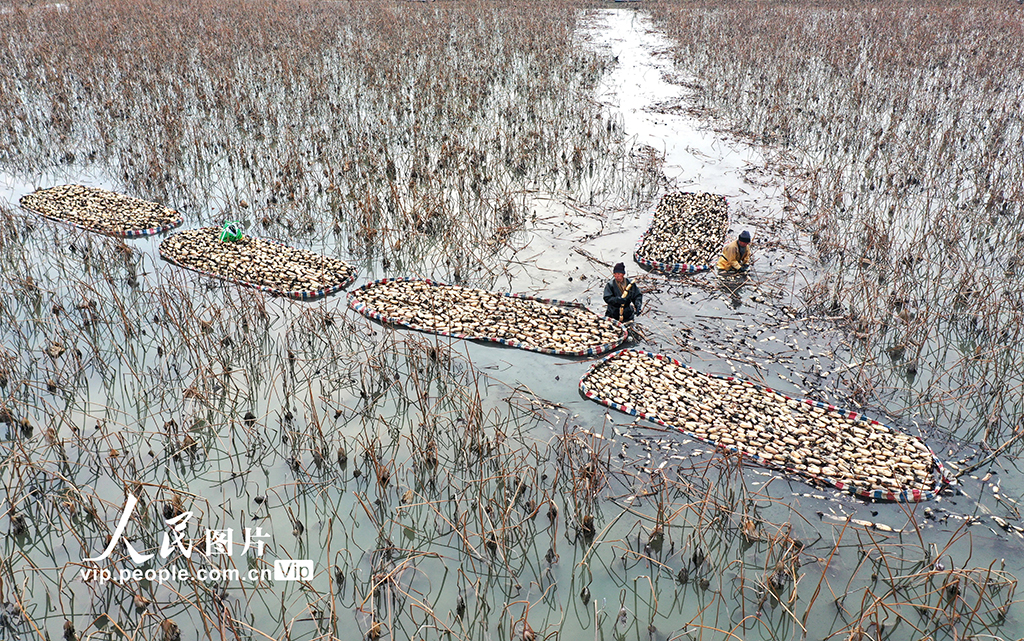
{"x":534,"y":324}
{"x":264,"y":264}
{"x":817,"y":442}
{"x":101,"y":211}
{"x":686,"y":234}
{"x":870,"y":525}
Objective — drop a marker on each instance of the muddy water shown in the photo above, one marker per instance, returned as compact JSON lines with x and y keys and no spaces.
{"x":806,"y":357}
{"x":420,"y":563}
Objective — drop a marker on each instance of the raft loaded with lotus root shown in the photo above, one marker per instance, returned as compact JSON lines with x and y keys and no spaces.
{"x":686,"y":235}
{"x":534,"y":324}
{"x":264,"y":264}
{"x":101,"y":211}
{"x":819,"y":443}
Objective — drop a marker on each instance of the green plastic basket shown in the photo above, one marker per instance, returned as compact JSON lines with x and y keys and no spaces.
{"x":232,"y":231}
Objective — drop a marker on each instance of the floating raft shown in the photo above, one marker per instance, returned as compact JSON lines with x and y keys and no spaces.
{"x":535,"y":324}
{"x":819,"y":443}
{"x":101,"y":211}
{"x":264,"y":264}
{"x":686,"y":235}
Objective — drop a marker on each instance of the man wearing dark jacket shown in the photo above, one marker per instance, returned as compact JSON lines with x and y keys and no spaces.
{"x":623,"y":297}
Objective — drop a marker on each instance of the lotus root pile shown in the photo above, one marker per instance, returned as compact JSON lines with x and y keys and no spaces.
{"x":101,"y":211}
{"x":253,"y":261}
{"x":524,"y":322}
{"x":688,"y":228}
{"x":834,"y":446}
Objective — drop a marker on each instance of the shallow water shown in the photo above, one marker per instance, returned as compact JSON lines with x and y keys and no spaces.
{"x":317,"y":376}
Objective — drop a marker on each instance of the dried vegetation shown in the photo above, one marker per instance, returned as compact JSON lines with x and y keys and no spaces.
{"x":434,"y":501}
{"x":404,"y":130}
{"x":900,"y":127}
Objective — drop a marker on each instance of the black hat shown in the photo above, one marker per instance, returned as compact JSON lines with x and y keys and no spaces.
{"x":745,"y":236}
{"x":619,"y":269}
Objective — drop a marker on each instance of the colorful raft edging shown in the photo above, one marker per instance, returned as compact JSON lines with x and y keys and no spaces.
{"x":328,"y":275}
{"x":685,"y":223}
{"x":365,"y":308}
{"x":668,"y":268}
{"x":937,"y":474}
{"x":101,"y":211}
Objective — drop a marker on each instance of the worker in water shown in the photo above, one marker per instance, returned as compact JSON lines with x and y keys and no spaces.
{"x":736,"y":255}
{"x":623,"y":297}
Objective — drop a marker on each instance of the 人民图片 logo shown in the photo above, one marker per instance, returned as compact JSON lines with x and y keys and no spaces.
{"x":219,"y":542}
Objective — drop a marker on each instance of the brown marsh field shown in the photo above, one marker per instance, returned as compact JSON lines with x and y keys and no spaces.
{"x":439,"y":489}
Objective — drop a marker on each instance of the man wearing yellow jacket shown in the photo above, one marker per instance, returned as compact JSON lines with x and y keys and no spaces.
{"x":736,"y":255}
